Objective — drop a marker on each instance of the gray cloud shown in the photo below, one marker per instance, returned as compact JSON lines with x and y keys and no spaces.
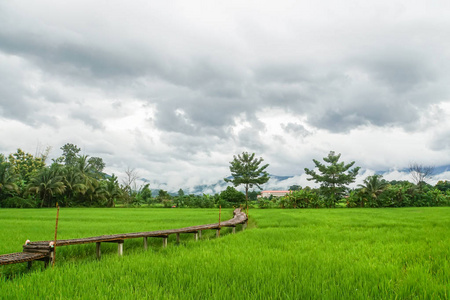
{"x":197,"y":81}
{"x":295,"y":129}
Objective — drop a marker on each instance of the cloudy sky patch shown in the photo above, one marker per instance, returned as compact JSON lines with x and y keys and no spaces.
{"x":175,"y":89}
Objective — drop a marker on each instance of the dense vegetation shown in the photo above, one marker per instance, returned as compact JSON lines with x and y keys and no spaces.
{"x":76,"y":180}
{"x":286,"y":254}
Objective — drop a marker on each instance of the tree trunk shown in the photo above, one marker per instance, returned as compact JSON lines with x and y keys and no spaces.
{"x":246,"y":197}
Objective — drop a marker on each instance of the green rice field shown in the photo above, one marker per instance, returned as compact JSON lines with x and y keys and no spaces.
{"x":398,"y":253}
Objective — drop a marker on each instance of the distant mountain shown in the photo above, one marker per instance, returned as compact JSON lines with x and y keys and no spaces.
{"x":214,"y":188}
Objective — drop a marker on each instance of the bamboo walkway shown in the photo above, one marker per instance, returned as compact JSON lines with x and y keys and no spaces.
{"x":43,"y":251}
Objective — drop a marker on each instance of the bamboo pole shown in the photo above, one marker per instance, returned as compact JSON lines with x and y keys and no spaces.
{"x":56,"y":235}
{"x":220,"y":213}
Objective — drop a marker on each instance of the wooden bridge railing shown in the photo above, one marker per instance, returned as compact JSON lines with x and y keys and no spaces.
{"x":44,"y":250}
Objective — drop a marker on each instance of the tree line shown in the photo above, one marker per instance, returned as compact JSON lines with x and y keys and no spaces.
{"x":335,"y":176}
{"x":75,"y":179}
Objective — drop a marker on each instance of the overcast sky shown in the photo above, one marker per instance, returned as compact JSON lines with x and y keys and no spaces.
{"x":175,"y":88}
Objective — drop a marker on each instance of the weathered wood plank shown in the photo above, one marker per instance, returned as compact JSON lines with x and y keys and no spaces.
{"x":20,"y":257}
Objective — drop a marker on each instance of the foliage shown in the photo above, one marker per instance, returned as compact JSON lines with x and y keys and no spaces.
{"x":47,"y":184}
{"x":333,"y":177}
{"x":232,"y":195}
{"x":25,"y":164}
{"x":69,"y":156}
{"x":264,"y":202}
{"x":443,"y":185}
{"x":71,"y":180}
{"x":246,"y":170}
{"x":8,"y":178}
{"x":371,"y":189}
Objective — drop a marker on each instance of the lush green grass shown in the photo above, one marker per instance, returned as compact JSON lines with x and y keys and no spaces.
{"x":289,"y":254}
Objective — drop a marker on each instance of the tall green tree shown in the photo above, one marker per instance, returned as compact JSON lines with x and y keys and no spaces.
{"x":48,"y":183}
{"x":248,"y":171}
{"x":333,"y":177}
{"x":372,"y":188}
{"x":232,"y":195}
{"x":113,"y":192}
{"x":25,"y":164}
{"x":70,"y":154}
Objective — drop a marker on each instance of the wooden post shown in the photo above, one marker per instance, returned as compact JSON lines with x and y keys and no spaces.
{"x":46,"y":261}
{"x":120,"y":248}
{"x":29,"y":265}
{"x":97,"y":250}
{"x":200,"y":234}
{"x":196,"y":236}
{"x":165,"y":242}
{"x":234,"y":229}
{"x":244,"y":226}
{"x":220,"y":213}
{"x":178,"y":237}
{"x":56,"y":233}
{"x":145,"y":243}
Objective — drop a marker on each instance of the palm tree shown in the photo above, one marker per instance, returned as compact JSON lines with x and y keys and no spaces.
{"x":47,"y":183}
{"x":8,"y":178}
{"x":74,"y":181}
{"x":95,"y":192}
{"x":373,"y":186}
{"x":112,"y":190}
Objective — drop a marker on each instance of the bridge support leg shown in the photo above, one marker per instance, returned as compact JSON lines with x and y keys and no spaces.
{"x":217,"y":233}
{"x":98,"y":252}
{"x":200,"y":234}
{"x":29,"y":265}
{"x":196,"y":236}
{"x":178,"y":238}
{"x":145,"y":243}
{"x":234,"y":230}
{"x":165,"y":242}
{"x":120,"y":248}
{"x":46,"y":261}
{"x":244,"y":226}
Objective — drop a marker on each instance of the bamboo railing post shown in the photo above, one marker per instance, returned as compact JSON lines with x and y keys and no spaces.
{"x":56,"y":234}
{"x":220,"y":213}
{"x":98,"y":251}
{"x":120,"y":248}
{"x":145,"y":243}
